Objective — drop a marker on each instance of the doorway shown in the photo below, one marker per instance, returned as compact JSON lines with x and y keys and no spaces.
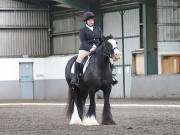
{"x":26,"y":80}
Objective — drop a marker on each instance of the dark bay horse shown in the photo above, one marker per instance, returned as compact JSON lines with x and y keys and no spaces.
{"x":98,"y":76}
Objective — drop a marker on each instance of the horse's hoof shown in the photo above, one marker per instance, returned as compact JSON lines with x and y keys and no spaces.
{"x":108,"y":122}
{"x":90,"y":121}
{"x":75,"y":119}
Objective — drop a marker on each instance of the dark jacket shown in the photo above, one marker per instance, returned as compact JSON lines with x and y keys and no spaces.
{"x":88,"y":37}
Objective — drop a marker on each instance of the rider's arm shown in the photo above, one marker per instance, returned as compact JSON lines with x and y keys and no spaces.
{"x":83,"y":40}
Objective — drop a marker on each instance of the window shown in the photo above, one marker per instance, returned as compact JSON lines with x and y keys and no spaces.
{"x":171,"y":65}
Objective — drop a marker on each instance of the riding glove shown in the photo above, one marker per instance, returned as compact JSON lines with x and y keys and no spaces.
{"x":93,"y":48}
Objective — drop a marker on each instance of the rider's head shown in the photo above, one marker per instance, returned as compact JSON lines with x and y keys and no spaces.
{"x":88,"y":18}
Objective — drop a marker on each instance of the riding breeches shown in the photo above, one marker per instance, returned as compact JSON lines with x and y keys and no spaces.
{"x":81,"y":55}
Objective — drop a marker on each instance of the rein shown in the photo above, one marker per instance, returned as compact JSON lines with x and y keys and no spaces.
{"x":107,"y":51}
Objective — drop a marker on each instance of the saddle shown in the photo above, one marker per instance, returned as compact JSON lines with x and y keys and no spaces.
{"x":85,"y":62}
{"x":84,"y":65}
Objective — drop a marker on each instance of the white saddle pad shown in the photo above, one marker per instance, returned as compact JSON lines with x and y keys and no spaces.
{"x":84,"y":68}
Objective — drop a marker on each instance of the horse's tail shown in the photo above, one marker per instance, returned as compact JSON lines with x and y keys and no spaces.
{"x":70,"y":104}
{"x":68,"y":75}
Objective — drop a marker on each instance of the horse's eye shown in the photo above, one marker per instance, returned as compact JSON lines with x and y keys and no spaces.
{"x":116,"y":42}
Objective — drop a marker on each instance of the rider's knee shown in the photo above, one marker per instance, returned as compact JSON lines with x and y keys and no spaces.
{"x":81,"y":56}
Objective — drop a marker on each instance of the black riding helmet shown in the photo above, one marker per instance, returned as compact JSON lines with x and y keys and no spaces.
{"x":88,"y":15}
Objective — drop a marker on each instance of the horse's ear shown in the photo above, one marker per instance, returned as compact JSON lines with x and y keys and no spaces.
{"x":108,"y":37}
{"x":111,"y":36}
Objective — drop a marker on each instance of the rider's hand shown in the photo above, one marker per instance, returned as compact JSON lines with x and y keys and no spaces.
{"x":93,"y":48}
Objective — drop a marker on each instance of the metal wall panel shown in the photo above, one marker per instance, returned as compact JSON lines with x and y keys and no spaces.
{"x":23,"y":18}
{"x":117,"y":90}
{"x":168,"y":29}
{"x":17,"y":42}
{"x":168,"y":33}
{"x":168,"y":14}
{"x":66,"y":24}
{"x":23,"y":30}
{"x":131,"y":22}
{"x":131,"y":44}
{"x":63,"y":24}
{"x":79,"y":23}
{"x":64,"y":44}
{"x":112,"y":25}
{"x":66,"y":34}
{"x":113,"y":21}
{"x":167,"y":2}
{"x":77,"y":42}
{"x":16,"y":4}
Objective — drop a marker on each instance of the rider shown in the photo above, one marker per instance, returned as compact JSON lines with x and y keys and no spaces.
{"x":90,"y":37}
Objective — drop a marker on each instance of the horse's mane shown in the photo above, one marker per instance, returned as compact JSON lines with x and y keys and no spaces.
{"x":104,"y":39}
{"x":102,"y":44}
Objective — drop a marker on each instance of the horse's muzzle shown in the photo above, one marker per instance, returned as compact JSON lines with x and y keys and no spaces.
{"x":116,"y":57}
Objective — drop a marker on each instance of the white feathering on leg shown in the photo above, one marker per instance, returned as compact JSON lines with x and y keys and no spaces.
{"x":75,"y":119}
{"x":90,"y":121}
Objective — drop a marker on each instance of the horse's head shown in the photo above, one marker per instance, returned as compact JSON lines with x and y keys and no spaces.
{"x":110,"y":48}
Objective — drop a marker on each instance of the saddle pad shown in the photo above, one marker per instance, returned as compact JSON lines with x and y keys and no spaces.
{"x":84,"y":67}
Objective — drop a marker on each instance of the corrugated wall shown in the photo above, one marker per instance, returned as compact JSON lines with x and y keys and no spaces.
{"x":112,"y":24}
{"x":18,"y":42}
{"x":66,"y":33}
{"x":24,"y":18}
{"x":17,"y":4}
{"x":168,"y":29}
{"x":23,"y":29}
{"x":168,"y":12}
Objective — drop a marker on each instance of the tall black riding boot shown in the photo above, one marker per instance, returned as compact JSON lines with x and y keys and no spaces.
{"x":75,"y":79}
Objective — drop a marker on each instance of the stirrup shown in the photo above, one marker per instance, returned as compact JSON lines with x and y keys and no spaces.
{"x":114,"y":81}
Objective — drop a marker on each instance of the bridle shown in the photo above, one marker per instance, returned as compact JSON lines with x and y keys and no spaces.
{"x":108,"y":51}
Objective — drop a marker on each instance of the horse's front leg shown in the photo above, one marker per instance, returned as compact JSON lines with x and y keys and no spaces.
{"x":107,"y":115}
{"x":90,"y":118}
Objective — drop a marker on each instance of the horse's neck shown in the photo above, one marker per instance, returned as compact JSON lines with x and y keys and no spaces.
{"x":101,"y":61}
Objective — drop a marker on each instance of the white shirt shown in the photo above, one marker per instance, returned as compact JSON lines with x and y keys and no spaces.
{"x":91,"y":28}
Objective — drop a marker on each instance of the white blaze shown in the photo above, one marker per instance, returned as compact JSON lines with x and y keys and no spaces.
{"x":113,"y":43}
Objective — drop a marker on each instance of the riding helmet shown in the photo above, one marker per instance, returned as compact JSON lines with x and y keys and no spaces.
{"x":88,"y":15}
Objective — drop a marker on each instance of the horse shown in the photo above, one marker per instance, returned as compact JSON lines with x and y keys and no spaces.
{"x":98,"y":76}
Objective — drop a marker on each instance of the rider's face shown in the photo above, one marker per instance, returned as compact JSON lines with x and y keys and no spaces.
{"x":90,"y":22}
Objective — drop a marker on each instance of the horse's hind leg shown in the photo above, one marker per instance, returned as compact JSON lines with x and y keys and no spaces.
{"x":107,"y":115}
{"x":90,"y":118}
{"x":81,"y":105}
{"x":73,"y":109}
